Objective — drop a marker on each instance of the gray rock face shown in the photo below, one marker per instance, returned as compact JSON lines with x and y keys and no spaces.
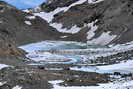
{"x":114,"y":17}
{"x":18,"y":27}
{"x":24,"y":27}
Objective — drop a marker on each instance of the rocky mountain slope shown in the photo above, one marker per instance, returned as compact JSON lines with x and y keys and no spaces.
{"x":18,"y":27}
{"x":25,"y":27}
{"x":93,"y":21}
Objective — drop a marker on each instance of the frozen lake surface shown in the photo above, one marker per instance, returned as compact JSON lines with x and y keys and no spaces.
{"x":69,"y":52}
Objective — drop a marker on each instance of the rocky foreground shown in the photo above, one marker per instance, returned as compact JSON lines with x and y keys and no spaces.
{"x":109,"y":19}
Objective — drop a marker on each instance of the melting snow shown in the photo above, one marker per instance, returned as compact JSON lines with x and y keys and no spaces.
{"x":43,"y":51}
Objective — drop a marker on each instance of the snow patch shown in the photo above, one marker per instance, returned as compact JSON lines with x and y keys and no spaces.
{"x":31,"y":17}
{"x":26,"y":10}
{"x":123,"y":67}
{"x":117,"y":85}
{"x":94,"y":1}
{"x":63,"y":36}
{"x":92,"y":30}
{"x":2,"y":83}
{"x":49,"y":16}
{"x":28,"y":22}
{"x":104,"y":39}
{"x":17,"y":87}
{"x":59,"y":28}
{"x":3,"y":66}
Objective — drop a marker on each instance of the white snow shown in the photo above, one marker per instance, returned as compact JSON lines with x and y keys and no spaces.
{"x":49,"y":16}
{"x":31,"y":17}
{"x":92,"y":30}
{"x":17,"y":87}
{"x":117,"y":85}
{"x":28,"y":22}
{"x":59,"y":28}
{"x":3,"y":66}
{"x":94,"y":1}
{"x":63,"y":36}
{"x":2,"y":83}
{"x":27,"y":11}
{"x":123,"y":67}
{"x":104,"y":39}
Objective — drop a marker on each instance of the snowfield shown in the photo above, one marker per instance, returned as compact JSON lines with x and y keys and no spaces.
{"x":50,"y":16}
{"x":118,"y":85}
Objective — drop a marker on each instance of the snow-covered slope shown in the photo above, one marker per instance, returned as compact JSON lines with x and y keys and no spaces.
{"x":93,"y":21}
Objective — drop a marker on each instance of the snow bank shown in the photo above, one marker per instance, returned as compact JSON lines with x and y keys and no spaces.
{"x":118,"y":85}
{"x":59,"y":28}
{"x":28,"y":22}
{"x":123,"y":67}
{"x":3,"y":66}
{"x":17,"y":87}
